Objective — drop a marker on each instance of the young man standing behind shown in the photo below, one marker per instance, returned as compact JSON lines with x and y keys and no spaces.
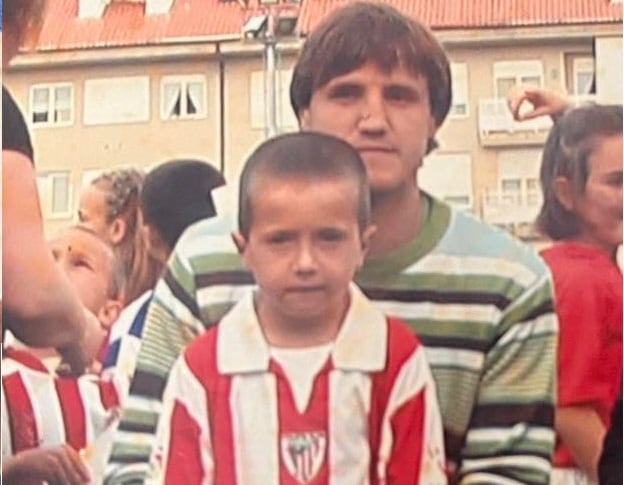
{"x":481,"y":302}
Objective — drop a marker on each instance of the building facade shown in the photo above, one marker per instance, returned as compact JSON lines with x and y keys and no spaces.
{"x":115,"y":83}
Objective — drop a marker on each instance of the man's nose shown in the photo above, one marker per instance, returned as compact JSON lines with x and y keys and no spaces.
{"x":373,"y":116}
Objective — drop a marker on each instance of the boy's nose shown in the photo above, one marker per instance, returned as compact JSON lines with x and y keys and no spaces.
{"x":305,"y":262}
{"x":373,"y":116}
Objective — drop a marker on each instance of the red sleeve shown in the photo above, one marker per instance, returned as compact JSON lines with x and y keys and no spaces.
{"x":184,"y":458}
{"x":582,"y":311}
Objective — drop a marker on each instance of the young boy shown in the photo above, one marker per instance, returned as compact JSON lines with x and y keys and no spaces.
{"x":303,"y":381}
{"x":47,"y":419}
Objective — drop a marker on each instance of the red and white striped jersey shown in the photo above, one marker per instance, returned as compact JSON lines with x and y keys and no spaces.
{"x":371,"y":417}
{"x":40,"y":409}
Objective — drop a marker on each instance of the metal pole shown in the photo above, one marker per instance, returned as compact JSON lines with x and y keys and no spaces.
{"x":271,"y":76}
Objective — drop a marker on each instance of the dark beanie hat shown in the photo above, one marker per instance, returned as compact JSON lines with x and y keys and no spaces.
{"x":176,"y":194}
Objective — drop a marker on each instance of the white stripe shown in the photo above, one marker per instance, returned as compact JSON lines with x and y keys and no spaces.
{"x":185,"y":389}
{"x":481,"y":478}
{"x":7,"y":449}
{"x":517,"y":461}
{"x":414,"y":377}
{"x":484,"y":314}
{"x":144,"y":404}
{"x":194,"y":244}
{"x":475,"y":265}
{"x":349,"y":447}
{"x":48,"y":415}
{"x":253,"y":407}
{"x":544,"y":324}
{"x":449,"y":357}
{"x":505,"y":434}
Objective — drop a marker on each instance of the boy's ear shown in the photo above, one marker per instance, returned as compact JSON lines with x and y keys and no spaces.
{"x":239,"y":241}
{"x":366,"y":236}
{"x":109,"y":313}
{"x":562,"y":187}
{"x":117,"y":230}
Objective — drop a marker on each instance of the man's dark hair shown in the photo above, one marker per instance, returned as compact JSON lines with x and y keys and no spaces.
{"x":306,"y":155}
{"x":177,"y":194}
{"x":570,"y":142}
{"x":371,"y":32}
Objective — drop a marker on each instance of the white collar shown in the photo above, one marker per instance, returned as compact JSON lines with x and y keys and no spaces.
{"x":361,"y":343}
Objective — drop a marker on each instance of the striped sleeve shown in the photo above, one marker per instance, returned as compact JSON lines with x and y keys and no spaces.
{"x":170,"y":323}
{"x":510,"y":437}
{"x":412,"y":443}
{"x":183,"y":452}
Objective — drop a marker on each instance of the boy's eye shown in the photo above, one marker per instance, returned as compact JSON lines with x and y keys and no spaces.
{"x":331,"y":235}
{"x":401,"y":93}
{"x":82,"y":263}
{"x":279,"y":238}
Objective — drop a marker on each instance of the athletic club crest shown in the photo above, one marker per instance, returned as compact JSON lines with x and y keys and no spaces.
{"x":303,"y":454}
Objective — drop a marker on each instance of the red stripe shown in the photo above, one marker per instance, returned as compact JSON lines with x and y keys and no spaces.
{"x":25,"y":358}
{"x":72,"y":407}
{"x":22,"y":423}
{"x":108,"y":394}
{"x":185,"y":466}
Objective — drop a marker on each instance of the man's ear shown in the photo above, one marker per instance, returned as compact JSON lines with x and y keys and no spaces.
{"x":304,"y":119}
{"x":562,"y":187}
{"x":117,"y":230}
{"x":109,"y":313}
{"x":366,"y":236}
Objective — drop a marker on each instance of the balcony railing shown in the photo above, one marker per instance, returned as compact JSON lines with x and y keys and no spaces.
{"x":495,"y":117}
{"x":505,"y":208}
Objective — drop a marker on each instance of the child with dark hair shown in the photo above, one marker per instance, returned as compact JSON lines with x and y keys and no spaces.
{"x":174,"y":195}
{"x":581,"y":177}
{"x":303,"y":380}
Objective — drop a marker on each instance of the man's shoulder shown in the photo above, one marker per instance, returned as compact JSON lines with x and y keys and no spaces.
{"x":468,"y":237}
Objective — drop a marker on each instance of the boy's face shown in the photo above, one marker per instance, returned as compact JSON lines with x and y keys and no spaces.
{"x":304,"y":246}
{"x":385,"y":116}
{"x":88,"y":263}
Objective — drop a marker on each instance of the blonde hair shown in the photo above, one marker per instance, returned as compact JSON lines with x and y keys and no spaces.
{"x":121,"y":189}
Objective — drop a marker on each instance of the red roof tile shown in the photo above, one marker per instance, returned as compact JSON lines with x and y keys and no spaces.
{"x":450,"y":14}
{"x":124,"y":23}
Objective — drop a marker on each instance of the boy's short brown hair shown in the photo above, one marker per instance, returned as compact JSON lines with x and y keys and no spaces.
{"x":370,"y":32}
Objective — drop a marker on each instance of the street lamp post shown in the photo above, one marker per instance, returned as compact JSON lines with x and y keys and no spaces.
{"x":270,"y":71}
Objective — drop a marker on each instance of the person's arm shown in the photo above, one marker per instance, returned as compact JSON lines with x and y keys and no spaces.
{"x":511,"y":431}
{"x":582,"y":431}
{"x":41,"y":307}
{"x":184,"y":447}
{"x":543,"y":101}
{"x":60,"y":464}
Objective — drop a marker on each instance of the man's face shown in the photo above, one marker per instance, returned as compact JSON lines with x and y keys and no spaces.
{"x":88,"y":263}
{"x":385,"y":116}
{"x":304,"y":246}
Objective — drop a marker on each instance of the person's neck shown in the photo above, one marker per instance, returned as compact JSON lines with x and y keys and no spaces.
{"x":288,"y":332}
{"x":398,"y":217}
{"x":609,"y":250}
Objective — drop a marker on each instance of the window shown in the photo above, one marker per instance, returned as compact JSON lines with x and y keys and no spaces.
{"x":433,"y":177}
{"x":518,"y":177}
{"x":116,"y":100}
{"x":459,"y":82}
{"x":52,"y":104}
{"x":286,"y":119}
{"x":183,"y":97}
{"x":55,"y":194}
{"x":509,"y":73}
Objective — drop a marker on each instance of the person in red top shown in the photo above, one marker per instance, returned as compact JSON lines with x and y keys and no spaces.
{"x":303,"y":381}
{"x":581,"y":176}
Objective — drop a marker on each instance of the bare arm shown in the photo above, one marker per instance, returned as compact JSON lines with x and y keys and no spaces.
{"x":582,"y":431}
{"x":36,"y":294}
{"x":544,"y":102}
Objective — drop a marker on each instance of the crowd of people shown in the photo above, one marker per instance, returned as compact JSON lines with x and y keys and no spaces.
{"x":354,"y":329}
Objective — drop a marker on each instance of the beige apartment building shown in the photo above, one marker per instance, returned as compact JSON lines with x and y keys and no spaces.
{"x":117,"y":83}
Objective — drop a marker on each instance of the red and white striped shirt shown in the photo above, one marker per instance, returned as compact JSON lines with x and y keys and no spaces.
{"x":40,"y":409}
{"x":371,"y":417}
